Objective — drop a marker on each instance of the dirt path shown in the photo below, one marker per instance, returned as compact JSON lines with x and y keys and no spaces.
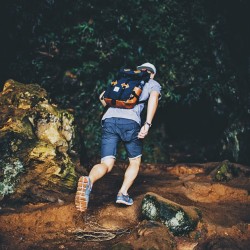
{"x":225,"y":210}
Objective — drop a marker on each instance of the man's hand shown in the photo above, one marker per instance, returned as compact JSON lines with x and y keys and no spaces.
{"x":144,"y":131}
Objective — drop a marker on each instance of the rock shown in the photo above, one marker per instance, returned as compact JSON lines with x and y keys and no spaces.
{"x":116,"y":217}
{"x":149,"y":235}
{"x":184,"y":244}
{"x":184,"y":170}
{"x":34,"y":221}
{"x":179,"y":219}
{"x":225,"y":172}
{"x":219,"y":243}
{"x":122,"y":246}
{"x":213,"y":192}
{"x":35,"y":141}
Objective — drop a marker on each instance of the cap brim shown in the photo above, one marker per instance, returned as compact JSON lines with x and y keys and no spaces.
{"x":145,"y":67}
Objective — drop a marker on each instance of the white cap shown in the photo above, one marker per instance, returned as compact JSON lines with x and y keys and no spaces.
{"x":148,"y":66}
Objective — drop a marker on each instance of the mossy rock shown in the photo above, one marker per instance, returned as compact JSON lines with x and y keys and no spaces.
{"x":225,"y":172}
{"x":36,"y":138}
{"x":179,"y":219}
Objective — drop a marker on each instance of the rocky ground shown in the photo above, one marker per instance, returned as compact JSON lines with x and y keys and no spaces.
{"x":224,"y":205}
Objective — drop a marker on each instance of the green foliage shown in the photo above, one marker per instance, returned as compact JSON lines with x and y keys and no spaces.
{"x":186,"y":40}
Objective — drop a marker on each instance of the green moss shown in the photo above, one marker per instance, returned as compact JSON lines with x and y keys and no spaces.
{"x":10,"y":172}
{"x":69,"y":175}
{"x":226,"y":172}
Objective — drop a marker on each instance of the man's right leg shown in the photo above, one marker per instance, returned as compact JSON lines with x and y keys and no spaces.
{"x":99,"y":170}
{"x":110,"y":140}
{"x":85,"y":183}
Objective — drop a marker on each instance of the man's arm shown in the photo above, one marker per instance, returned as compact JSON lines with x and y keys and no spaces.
{"x":102,"y":100}
{"x":151,"y":109}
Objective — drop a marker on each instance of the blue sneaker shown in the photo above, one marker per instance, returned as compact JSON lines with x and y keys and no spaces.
{"x":124,"y":199}
{"x":82,"y":194}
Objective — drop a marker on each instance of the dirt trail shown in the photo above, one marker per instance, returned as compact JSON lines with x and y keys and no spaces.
{"x":225,"y":210}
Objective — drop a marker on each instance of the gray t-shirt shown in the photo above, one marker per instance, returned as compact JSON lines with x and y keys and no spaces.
{"x":134,"y":113}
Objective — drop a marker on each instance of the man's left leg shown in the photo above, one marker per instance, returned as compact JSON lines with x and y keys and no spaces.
{"x":129,"y":177}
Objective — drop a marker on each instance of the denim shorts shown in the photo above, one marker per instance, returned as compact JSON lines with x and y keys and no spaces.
{"x":115,"y":130}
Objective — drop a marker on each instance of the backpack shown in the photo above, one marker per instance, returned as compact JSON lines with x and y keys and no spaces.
{"x":125,"y":90}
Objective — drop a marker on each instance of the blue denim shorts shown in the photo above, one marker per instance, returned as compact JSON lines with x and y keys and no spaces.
{"x":115,"y":130}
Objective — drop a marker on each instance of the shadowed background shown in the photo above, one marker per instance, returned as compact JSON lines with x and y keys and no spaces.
{"x":200,"y":48}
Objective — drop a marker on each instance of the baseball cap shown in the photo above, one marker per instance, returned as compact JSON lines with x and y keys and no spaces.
{"x":148,"y":66}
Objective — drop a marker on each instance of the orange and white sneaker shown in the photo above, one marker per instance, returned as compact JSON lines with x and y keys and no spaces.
{"x":82,"y":195}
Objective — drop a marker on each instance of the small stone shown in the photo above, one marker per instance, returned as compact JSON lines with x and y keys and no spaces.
{"x":61,"y":202}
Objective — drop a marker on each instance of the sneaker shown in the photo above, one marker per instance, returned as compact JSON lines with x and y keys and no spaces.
{"x":124,"y":199}
{"x":82,"y":194}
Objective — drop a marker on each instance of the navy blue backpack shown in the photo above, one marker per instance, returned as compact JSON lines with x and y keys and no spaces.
{"x":124,"y":92}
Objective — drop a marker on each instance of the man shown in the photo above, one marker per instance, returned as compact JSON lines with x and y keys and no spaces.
{"x":122,"y":125}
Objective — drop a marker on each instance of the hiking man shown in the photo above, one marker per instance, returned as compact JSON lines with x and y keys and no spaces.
{"x":119,"y":124}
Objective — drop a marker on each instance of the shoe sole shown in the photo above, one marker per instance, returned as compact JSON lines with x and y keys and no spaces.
{"x":80,"y":199}
{"x":124,"y":202}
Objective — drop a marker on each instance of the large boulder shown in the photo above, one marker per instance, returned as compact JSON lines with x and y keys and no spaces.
{"x":179,"y":219}
{"x":36,"y":139}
